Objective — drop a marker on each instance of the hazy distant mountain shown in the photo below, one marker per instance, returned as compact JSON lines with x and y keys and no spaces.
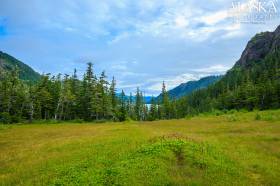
{"x":8,"y":63}
{"x":191,"y":86}
{"x":147,"y":99}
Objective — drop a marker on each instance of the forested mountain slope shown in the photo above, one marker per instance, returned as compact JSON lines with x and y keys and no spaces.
{"x":253,"y":83}
{"x":190,"y":86}
{"x":8,"y":63}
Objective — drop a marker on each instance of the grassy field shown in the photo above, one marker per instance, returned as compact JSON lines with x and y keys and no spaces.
{"x":232,"y":149}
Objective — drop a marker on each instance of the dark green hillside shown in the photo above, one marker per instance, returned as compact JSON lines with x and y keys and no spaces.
{"x":253,"y":83}
{"x":8,"y":63}
{"x":187,"y":88}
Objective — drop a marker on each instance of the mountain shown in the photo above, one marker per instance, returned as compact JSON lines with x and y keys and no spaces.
{"x":252,"y":83}
{"x":187,"y":88}
{"x":147,"y":99}
{"x":259,"y":47}
{"x":8,"y":63}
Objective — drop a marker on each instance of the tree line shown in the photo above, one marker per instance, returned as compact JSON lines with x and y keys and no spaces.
{"x":255,"y":86}
{"x":67,"y":98}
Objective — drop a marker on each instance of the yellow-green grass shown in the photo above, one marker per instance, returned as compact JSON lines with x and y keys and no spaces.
{"x":233,"y":149}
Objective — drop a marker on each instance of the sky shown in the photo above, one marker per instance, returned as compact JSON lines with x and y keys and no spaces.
{"x":141,"y":43}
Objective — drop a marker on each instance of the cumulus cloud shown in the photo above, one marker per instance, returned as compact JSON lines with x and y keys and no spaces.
{"x":215,"y":69}
{"x":215,"y":17}
{"x":141,"y":43}
{"x":172,"y":82}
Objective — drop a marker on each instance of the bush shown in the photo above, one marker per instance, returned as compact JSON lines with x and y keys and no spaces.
{"x":77,"y":121}
{"x":5,"y":118}
{"x":233,"y":111}
{"x":15,"y":119}
{"x":128,"y":120}
{"x":218,"y":112}
{"x":269,"y":117}
{"x":258,"y":117}
{"x":243,"y":111}
{"x":51,"y":121}
{"x":101,"y":121}
{"x":232,"y":118}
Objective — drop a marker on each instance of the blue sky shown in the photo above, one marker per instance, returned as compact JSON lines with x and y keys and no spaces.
{"x":141,"y":43}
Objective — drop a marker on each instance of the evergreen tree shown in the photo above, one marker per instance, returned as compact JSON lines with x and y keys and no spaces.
{"x":113,"y":98}
{"x":88,"y":94}
{"x":122,"y":114}
{"x":165,"y":103}
{"x":138,"y":105}
{"x":131,"y":107}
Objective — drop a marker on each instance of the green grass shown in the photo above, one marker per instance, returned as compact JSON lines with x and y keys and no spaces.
{"x":236,"y":148}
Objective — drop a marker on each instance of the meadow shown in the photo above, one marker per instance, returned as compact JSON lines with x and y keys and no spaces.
{"x":237,"y":148}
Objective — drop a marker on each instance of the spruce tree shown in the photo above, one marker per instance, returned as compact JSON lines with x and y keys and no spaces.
{"x":113,"y":98}
{"x":165,"y":103}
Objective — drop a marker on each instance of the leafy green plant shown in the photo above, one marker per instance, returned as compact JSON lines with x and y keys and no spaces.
{"x":258,"y":117}
{"x":232,"y":118}
{"x":5,"y":118}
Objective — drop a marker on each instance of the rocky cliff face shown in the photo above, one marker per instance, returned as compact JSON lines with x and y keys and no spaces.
{"x":259,"y":46}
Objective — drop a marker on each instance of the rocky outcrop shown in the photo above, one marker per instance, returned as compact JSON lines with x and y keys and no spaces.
{"x":259,"y":46}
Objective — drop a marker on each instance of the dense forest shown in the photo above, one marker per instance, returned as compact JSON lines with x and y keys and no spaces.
{"x":253,"y":83}
{"x":253,"y":87}
{"x":68,"y":98}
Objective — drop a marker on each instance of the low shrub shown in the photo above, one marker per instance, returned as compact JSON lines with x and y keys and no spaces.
{"x":233,"y":111}
{"x":218,"y":112}
{"x":77,"y":121}
{"x":232,"y":118}
{"x":5,"y":118}
{"x":258,"y":117}
{"x":15,"y":119}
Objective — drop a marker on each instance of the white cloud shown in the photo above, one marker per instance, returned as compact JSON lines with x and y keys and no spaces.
{"x":141,"y":43}
{"x":172,"y":82}
{"x":214,"y":18}
{"x":233,"y":34}
{"x":215,"y":69}
{"x":181,"y":22}
{"x":124,"y":85}
{"x":120,"y":66}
